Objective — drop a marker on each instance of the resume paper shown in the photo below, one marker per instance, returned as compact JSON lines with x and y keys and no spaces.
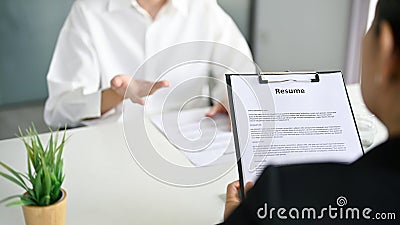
{"x":287,"y":119}
{"x":204,"y":141}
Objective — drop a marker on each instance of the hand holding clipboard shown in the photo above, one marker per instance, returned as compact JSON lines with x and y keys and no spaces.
{"x":290,"y":118}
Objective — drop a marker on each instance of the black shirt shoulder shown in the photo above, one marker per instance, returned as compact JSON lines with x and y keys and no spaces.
{"x":373,"y":182}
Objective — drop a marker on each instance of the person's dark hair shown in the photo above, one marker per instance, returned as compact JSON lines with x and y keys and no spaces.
{"x":389,"y":10}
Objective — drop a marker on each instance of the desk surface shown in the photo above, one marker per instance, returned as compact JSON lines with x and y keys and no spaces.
{"x":106,"y":186}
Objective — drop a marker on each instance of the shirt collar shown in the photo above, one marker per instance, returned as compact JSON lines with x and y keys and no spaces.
{"x":180,"y":5}
{"x":113,"y":5}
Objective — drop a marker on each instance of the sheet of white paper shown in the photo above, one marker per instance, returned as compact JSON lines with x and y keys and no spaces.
{"x":293,"y":122}
{"x":204,"y":141}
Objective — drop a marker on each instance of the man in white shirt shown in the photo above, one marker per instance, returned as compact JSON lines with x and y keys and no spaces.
{"x":103,"y":42}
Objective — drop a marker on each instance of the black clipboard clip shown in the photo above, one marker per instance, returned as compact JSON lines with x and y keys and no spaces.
{"x":263,"y":80}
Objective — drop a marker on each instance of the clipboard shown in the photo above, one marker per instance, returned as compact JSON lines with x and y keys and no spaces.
{"x":283,"y":118}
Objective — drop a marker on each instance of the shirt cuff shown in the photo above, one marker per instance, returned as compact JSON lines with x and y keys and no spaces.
{"x":93,"y":107}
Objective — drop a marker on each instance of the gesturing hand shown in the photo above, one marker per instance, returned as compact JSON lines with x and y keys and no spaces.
{"x":134,"y":89}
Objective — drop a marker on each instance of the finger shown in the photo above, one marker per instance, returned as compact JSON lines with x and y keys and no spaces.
{"x":139,"y":101}
{"x":212,"y":112}
{"x":217,"y":108}
{"x":164,"y":83}
{"x":117,"y":81}
{"x":158,"y":85}
{"x":232,"y":191}
{"x":248,"y":186}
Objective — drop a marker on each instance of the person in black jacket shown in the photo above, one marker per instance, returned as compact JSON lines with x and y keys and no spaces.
{"x":364,"y":192}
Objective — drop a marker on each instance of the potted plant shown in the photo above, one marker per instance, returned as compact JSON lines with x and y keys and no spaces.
{"x":44,"y":201}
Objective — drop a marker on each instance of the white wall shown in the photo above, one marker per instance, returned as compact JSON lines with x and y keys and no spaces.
{"x":301,"y":35}
{"x":357,"y":25}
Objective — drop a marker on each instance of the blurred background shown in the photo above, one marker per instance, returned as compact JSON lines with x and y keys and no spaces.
{"x":283,"y":35}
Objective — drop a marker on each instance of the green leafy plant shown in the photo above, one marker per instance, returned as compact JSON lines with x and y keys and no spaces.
{"x":42,"y":183}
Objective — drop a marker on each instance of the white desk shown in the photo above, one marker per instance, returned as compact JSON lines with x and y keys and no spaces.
{"x":106,"y":186}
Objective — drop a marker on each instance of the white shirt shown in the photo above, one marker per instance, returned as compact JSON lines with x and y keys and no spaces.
{"x":104,"y":38}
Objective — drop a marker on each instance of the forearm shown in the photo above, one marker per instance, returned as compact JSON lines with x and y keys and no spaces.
{"x":109,"y":100}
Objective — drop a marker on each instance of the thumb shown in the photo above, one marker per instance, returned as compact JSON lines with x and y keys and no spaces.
{"x":116,"y":82}
{"x":232,"y":191}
